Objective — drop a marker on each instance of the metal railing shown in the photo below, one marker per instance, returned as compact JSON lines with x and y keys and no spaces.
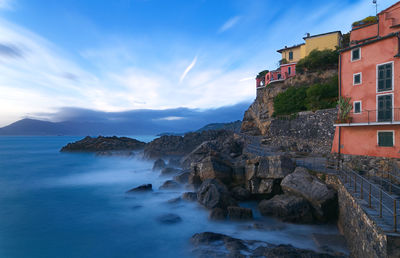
{"x":386,"y":204}
{"x":371,"y":116}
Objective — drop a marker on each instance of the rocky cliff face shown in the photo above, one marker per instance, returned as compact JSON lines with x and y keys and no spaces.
{"x":257,"y":119}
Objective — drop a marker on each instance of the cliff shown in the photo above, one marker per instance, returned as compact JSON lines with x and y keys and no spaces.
{"x":257,"y":119}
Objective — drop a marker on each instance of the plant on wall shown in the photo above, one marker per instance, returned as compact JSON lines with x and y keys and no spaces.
{"x":344,"y":109}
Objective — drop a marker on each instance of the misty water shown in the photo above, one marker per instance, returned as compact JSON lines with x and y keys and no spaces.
{"x":56,"y":204}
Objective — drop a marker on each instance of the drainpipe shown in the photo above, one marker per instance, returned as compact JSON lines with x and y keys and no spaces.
{"x":340,"y":94}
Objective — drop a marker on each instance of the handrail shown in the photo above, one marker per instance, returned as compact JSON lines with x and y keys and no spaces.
{"x":375,"y":193}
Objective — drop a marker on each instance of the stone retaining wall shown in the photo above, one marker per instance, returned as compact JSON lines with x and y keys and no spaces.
{"x":310,"y":132}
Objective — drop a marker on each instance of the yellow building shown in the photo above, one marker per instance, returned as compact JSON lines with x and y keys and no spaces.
{"x":329,"y":40}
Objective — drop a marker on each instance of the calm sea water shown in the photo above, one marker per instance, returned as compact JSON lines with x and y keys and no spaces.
{"x":56,"y":204}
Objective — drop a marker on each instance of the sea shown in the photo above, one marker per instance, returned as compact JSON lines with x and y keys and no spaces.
{"x":55,"y":204}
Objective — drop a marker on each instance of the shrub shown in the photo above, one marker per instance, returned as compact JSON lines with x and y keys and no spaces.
{"x":290,"y":101}
{"x":318,"y":60}
{"x":317,"y":96}
{"x":365,"y":21}
{"x":321,"y":96}
{"x":262,"y":74}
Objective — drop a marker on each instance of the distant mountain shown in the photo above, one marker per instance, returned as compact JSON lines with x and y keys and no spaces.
{"x":82,"y":122}
{"x":232,"y":126}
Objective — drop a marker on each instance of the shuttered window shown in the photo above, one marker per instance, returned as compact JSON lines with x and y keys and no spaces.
{"x":385,"y":75}
{"x":385,"y":139}
{"x":290,"y":55}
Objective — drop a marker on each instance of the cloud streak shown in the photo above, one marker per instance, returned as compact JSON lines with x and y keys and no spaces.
{"x":229,"y":24}
{"x":187,"y":70}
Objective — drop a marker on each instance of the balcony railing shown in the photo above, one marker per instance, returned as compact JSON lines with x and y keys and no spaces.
{"x":380,"y":116}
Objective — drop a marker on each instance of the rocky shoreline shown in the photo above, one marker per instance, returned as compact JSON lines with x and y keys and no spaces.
{"x":219,"y":174}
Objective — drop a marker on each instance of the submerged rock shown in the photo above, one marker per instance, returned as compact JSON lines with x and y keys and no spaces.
{"x":159,"y":164}
{"x":209,"y":244}
{"x":287,"y":208}
{"x":169,"y":218}
{"x":169,"y":171}
{"x":321,"y":196}
{"x":141,"y":188}
{"x":89,"y":144}
{"x":218,"y":214}
{"x":170,"y":184}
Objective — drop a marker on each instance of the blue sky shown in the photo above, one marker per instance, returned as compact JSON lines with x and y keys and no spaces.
{"x":136,"y":54}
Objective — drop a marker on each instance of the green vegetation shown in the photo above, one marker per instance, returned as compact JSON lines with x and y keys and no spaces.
{"x":283,"y":61}
{"x":262,"y":74}
{"x":365,"y":21}
{"x":318,"y":60}
{"x":344,"y":109}
{"x":314,"y":97}
{"x":345,"y":40}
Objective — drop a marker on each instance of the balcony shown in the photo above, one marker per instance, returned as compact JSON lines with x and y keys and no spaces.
{"x":371,"y":117}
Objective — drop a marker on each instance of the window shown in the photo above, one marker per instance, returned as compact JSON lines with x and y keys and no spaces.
{"x":289,"y":70}
{"x":385,"y":108}
{"x":291,"y":55}
{"x":357,"y":107}
{"x":356,"y":54}
{"x":385,"y":77}
{"x":385,"y":138}
{"x":357,"y":79}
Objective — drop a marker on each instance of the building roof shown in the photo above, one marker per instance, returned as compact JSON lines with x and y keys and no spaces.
{"x":286,"y":48}
{"x":370,"y":42}
{"x":389,"y":7}
{"x":323,"y":34}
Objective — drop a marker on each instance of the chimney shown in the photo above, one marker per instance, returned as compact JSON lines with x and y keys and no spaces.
{"x":308,"y":35}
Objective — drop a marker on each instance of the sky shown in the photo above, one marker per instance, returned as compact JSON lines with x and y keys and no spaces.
{"x":120,"y":55}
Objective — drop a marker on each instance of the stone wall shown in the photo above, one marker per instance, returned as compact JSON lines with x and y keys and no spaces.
{"x":363,"y":236}
{"x":310,"y":132}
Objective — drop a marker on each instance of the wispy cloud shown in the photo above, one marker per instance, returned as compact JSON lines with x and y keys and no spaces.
{"x":229,"y":24}
{"x":246,"y":79}
{"x":187,"y":70}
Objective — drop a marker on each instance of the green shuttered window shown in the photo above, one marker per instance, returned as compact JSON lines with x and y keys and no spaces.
{"x":385,"y":139}
{"x":385,"y":75}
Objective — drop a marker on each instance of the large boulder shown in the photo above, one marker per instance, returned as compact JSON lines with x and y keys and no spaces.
{"x":240,"y":213}
{"x":321,"y":196}
{"x":159,"y":164}
{"x":169,"y":185}
{"x":218,"y":214}
{"x":240,"y":193}
{"x":288,"y":208}
{"x":189,"y":196}
{"x":212,"y":194}
{"x":264,"y":174}
{"x":214,"y":168}
{"x":182,"y":177}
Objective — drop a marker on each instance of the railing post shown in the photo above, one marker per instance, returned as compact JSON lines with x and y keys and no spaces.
{"x":394,"y":216}
{"x":369,"y":196}
{"x":380,"y":203}
{"x":368,"y":116}
{"x":361,"y":191}
{"x":355,"y":183}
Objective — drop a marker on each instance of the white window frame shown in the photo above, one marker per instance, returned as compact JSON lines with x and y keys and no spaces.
{"x":354,"y":79}
{"x":383,"y":131}
{"x":378,"y":95}
{"x":377,"y":75}
{"x":354,"y":107}
{"x":352,"y":59}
